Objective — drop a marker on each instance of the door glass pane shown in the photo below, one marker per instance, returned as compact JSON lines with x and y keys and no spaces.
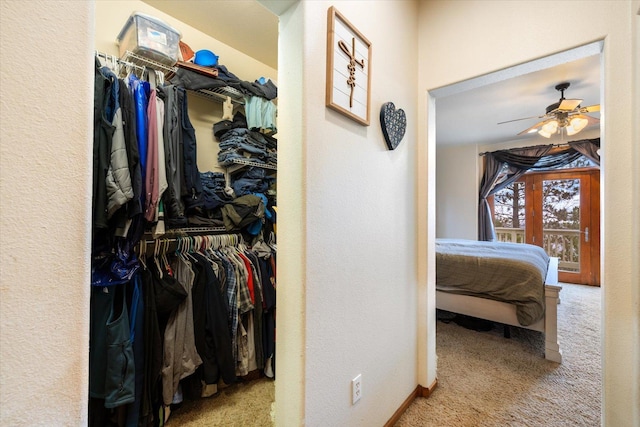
{"x":508,"y":213}
{"x":561,"y":221}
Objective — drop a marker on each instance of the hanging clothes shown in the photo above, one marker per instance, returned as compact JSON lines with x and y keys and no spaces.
{"x":119,"y":188}
{"x":174,"y":159}
{"x":112,"y":370}
{"x":102,"y":135}
{"x":175,"y":323}
{"x":140,"y":91}
{"x":152,"y":185}
{"x":181,"y":358}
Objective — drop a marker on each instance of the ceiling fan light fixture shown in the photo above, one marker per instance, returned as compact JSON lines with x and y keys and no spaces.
{"x":576,"y":124}
{"x":549,"y":128}
{"x":564,"y":114}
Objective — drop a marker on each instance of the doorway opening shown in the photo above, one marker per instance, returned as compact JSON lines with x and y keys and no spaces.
{"x":459,"y":170}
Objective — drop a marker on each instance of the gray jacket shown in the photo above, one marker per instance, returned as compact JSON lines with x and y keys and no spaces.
{"x":119,"y":188}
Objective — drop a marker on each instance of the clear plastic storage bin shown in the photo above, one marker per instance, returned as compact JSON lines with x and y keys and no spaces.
{"x":149,"y":37}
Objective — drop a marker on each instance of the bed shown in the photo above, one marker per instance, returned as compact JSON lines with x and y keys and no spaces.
{"x":509,"y":283}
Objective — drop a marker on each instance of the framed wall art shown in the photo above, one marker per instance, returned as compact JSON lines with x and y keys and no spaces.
{"x":348,"y":69}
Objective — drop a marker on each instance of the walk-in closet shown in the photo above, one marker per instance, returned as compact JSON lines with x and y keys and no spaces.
{"x":184,"y":224}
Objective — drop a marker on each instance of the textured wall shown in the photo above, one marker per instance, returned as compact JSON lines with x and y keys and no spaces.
{"x":45,"y":181}
{"x":361,"y":282}
{"x":290,"y":351}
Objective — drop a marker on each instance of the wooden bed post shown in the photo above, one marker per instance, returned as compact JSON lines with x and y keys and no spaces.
{"x":551,"y":347}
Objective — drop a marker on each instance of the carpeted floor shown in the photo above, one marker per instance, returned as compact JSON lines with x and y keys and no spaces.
{"x":247,"y":404}
{"x":487,"y":380}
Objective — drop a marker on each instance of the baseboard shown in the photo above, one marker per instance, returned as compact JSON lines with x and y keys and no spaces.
{"x":420,"y":391}
{"x":426,"y":391}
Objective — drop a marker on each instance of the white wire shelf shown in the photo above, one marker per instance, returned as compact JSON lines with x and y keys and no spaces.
{"x":144,"y":61}
{"x":221,"y":94}
{"x":191,"y":230}
{"x":217,"y":94}
{"x":237,"y":164}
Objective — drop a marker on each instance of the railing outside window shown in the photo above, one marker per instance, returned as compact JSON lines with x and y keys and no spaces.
{"x":563,"y":244}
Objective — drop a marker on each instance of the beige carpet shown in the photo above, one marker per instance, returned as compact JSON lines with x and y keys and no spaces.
{"x":241,"y":405}
{"x":487,"y":380}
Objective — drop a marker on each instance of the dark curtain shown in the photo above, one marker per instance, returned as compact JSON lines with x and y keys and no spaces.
{"x":503,"y":167}
{"x":516,"y":162}
{"x":492,"y":169}
{"x":588,"y":148}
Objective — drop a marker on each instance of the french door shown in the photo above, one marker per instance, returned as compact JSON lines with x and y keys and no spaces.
{"x":559,"y":211}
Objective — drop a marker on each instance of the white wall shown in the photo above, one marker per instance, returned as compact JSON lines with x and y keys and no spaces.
{"x":359,"y":225}
{"x":488,"y":44}
{"x":45,"y":214}
{"x":457,"y":192}
{"x":292,"y":259}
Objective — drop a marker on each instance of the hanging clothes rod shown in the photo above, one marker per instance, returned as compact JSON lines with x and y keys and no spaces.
{"x":131,"y":61}
{"x":229,"y":239}
{"x":188,"y":244}
{"x":115,"y":60}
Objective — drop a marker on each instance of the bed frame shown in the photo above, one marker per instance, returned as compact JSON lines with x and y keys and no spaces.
{"x":505,"y":313}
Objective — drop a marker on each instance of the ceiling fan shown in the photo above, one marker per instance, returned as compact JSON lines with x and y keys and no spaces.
{"x":565,"y":114}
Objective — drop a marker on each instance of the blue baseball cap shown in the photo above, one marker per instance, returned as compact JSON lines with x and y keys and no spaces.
{"x":206,"y":58}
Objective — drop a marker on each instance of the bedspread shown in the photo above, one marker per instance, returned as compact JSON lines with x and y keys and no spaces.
{"x":508,"y":272}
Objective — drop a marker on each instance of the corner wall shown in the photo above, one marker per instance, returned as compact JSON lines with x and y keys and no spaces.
{"x":488,"y":44}
{"x":292,"y":255}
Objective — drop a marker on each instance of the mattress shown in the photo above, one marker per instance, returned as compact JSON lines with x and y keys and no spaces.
{"x":507,"y":272}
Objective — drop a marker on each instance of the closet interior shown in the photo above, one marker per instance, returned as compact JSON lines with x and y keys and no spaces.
{"x":183,"y":250}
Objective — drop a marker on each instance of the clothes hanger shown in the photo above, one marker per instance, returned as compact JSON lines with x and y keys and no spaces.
{"x":159,"y":77}
{"x":150,"y":75}
{"x":167,"y":265}
{"x":156,"y":249}
{"x":185,"y":249}
{"x":227,"y":109}
{"x":142,"y":253}
{"x":214,"y":244}
{"x":208,"y":242}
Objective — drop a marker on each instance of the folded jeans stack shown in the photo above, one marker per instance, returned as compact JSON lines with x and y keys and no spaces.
{"x":252,"y":180}
{"x":213,"y":188}
{"x":244,"y":144}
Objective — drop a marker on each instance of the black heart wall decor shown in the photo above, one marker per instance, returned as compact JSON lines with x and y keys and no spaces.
{"x":394,"y":124}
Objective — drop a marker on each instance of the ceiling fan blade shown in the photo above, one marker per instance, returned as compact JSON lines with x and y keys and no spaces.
{"x":524,"y":118}
{"x":591,"y":120}
{"x":532,"y":128}
{"x":590,"y":109}
{"x":569,"y":104}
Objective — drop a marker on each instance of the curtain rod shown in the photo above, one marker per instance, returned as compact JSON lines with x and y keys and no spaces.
{"x":565,"y":144}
